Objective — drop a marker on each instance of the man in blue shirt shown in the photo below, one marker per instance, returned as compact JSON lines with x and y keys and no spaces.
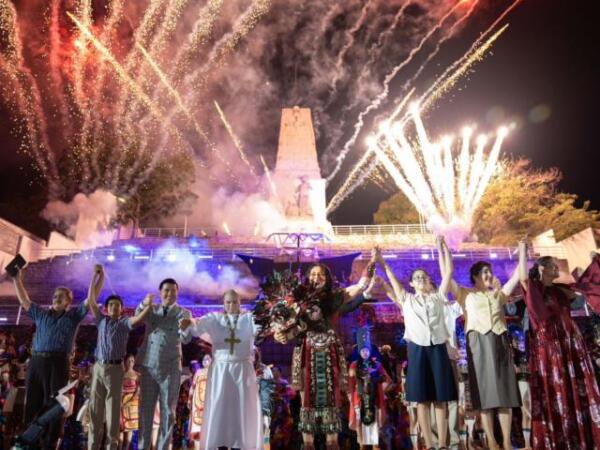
{"x":52,"y":343}
{"x":107,"y":374}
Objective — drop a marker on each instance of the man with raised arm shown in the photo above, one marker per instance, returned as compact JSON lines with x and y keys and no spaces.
{"x":108,"y":371}
{"x":52,"y":343}
{"x":159,"y":359}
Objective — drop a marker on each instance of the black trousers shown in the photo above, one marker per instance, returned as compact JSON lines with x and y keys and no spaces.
{"x":45,"y":376}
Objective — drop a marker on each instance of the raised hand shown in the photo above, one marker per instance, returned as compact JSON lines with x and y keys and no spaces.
{"x":184,"y":324}
{"x":374,"y":282}
{"x":496,"y":284}
{"x":376,"y":255}
{"x":148,"y":299}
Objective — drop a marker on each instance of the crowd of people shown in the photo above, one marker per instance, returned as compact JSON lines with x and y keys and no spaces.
{"x":433,"y":397}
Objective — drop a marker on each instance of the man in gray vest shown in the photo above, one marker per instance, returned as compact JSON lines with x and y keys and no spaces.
{"x":159,"y":359}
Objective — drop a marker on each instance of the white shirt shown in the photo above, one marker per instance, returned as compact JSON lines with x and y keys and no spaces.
{"x":453,"y":311}
{"x":424,"y":318}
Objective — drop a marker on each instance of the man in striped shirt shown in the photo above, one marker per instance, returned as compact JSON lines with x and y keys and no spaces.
{"x":107,"y":374}
{"x":48,"y":369}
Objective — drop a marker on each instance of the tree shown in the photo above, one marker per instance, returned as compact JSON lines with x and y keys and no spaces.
{"x":396,"y":209}
{"x":519,"y":201}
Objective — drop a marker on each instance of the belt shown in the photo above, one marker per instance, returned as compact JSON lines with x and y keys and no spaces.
{"x":110,"y":361}
{"x":49,"y":354}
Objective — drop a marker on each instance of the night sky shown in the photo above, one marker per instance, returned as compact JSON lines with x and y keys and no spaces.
{"x":548,"y":57}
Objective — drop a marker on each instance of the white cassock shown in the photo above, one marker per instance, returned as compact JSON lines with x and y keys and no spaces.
{"x":232,"y":412}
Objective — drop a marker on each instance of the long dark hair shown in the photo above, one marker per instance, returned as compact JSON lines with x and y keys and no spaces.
{"x":534,"y":272}
{"x":328,"y":287}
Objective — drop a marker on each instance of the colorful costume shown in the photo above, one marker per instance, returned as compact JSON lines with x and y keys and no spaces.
{"x":130,"y":405}
{"x":366,"y":399}
{"x":564,"y":391}
{"x":197,"y":409}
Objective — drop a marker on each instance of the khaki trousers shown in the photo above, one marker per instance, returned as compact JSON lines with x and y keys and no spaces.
{"x":105,"y":405}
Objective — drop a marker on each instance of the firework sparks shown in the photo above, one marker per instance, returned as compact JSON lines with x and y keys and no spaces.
{"x":350,"y":36}
{"x":172,"y":91}
{"x":357,"y":175}
{"x":127,"y":80}
{"x":269,"y":178}
{"x":234,"y":138}
{"x":385,"y":91}
{"x":226,"y":229}
{"x":199,"y":36}
{"x":28,"y":97}
{"x":227,"y":43}
{"x":443,"y":190}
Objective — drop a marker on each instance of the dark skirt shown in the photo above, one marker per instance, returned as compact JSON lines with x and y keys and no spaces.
{"x":492,"y":376}
{"x":430,"y":377}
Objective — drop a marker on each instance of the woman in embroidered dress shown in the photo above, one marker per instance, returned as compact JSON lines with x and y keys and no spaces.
{"x":319,"y":368}
{"x":564,"y":391}
{"x":129,"y":402}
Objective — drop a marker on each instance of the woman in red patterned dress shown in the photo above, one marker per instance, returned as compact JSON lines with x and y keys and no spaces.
{"x":564,"y":392}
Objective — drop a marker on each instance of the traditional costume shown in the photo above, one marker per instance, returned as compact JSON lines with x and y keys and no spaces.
{"x":198,"y":391}
{"x":564,"y":391}
{"x":130,"y":404}
{"x":367,"y":400}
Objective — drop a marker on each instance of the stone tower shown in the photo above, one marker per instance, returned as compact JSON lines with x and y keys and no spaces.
{"x":300,"y":187}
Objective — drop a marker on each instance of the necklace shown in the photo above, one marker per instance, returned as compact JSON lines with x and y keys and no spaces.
{"x":232,"y":340}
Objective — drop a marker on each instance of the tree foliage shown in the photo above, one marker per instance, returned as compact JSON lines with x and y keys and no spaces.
{"x":519,"y":201}
{"x":396,"y":209}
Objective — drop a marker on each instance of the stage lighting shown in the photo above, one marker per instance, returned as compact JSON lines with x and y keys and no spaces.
{"x":110,"y":257}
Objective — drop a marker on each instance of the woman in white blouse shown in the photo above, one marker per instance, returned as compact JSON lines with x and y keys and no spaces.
{"x":430,"y":380}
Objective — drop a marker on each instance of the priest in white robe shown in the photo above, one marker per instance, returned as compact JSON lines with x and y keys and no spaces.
{"x":232,"y":412}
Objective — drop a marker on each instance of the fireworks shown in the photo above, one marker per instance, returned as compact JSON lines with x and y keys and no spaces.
{"x":234,"y":138}
{"x":125,"y":86}
{"x":445,"y":190}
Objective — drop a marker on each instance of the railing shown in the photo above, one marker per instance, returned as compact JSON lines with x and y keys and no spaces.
{"x":338,"y":230}
{"x":426,"y":252}
{"x":352,"y":230}
{"x":181,"y":232}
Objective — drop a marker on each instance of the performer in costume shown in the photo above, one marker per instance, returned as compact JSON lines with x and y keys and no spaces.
{"x":319,"y":368}
{"x":367,"y":381}
{"x":430,"y":381}
{"x":231,"y":379}
{"x":282,"y":423}
{"x":129,"y":402}
{"x":564,"y":391}
{"x":197,"y":400}
{"x":492,"y":377}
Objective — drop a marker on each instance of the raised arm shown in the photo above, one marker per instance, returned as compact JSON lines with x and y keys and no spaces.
{"x":397,"y":290}
{"x":446,"y":269}
{"x":520,"y":273}
{"x":523,"y":273}
{"x":94,"y":290}
{"x":352,"y":291}
{"x":22,"y":294}
{"x":141,"y":315}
